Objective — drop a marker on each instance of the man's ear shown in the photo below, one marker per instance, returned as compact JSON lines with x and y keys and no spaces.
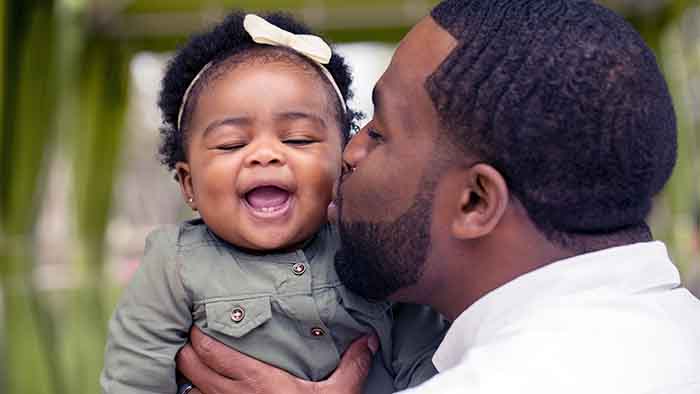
{"x":482,"y":203}
{"x":184,"y":178}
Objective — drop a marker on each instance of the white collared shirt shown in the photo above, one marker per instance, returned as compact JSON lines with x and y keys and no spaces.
{"x":614,"y":321}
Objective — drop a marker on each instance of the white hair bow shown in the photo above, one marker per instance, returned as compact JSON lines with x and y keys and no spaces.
{"x":313,"y":47}
{"x":264,"y":32}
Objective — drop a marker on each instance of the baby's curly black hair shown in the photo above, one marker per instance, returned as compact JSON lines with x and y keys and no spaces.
{"x":223,"y":42}
{"x":564,"y":98}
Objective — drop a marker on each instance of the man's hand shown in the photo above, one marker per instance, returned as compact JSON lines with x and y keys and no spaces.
{"x":214,"y":368}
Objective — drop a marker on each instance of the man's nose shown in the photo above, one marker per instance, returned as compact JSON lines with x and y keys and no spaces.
{"x":266,"y":154}
{"x":356,"y":150}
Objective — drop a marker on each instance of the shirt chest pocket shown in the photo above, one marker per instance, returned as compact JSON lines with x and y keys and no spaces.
{"x":238,"y":318}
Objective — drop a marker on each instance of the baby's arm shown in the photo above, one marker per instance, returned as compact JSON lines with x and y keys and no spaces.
{"x":151,"y":323}
{"x":417,"y":332}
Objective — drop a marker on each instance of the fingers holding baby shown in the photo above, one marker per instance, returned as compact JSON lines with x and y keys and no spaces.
{"x":213,"y":368}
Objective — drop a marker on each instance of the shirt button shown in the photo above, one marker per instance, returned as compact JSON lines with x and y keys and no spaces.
{"x":317,"y":332}
{"x":299,"y":269}
{"x":237,"y":314}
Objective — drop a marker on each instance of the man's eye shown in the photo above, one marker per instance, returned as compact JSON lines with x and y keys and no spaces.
{"x":375,"y":135}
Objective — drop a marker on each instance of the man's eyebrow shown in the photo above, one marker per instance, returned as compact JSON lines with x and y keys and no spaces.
{"x":376,"y":96}
{"x":297,"y":115}
{"x":233,"y":121}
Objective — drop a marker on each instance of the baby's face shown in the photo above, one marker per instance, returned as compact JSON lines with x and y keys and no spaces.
{"x":263,"y":154}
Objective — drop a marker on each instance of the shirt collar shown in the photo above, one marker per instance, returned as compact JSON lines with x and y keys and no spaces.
{"x":625,"y":269}
{"x":307,"y":252}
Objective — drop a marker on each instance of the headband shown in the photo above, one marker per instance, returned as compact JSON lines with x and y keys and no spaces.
{"x":264,"y":32}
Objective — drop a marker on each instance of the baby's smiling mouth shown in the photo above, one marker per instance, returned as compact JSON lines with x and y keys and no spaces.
{"x":268,"y":201}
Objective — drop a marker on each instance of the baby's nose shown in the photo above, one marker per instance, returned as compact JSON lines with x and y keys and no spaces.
{"x":265,"y":156}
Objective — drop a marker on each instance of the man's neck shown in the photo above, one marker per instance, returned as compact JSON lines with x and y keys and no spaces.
{"x":491,"y":274}
{"x":474,"y":268}
{"x":469,"y":270}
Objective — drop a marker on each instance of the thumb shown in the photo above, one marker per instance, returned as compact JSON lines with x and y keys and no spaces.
{"x":354,"y":367}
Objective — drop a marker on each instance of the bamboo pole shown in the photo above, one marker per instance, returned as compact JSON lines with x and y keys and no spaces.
{"x":28,"y":333}
{"x":3,"y":92}
{"x":97,"y":144}
{"x":4,"y":255}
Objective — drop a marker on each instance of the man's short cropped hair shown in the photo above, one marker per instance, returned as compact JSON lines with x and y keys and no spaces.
{"x":564,"y":98}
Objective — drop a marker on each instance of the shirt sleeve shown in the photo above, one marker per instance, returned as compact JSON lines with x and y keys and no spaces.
{"x":150,"y":324}
{"x":417,"y":332}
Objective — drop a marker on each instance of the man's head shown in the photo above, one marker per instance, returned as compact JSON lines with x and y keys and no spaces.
{"x":567,"y":102}
{"x":497,"y":117}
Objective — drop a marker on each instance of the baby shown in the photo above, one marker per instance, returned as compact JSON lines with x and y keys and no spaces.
{"x":255,"y":118}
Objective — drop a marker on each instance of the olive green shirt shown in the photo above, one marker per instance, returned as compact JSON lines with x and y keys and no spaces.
{"x":288,"y":310}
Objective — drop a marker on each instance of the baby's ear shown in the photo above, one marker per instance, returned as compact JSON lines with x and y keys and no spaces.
{"x":184,"y":178}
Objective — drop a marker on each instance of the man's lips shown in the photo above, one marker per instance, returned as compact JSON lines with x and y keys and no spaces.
{"x":344,"y":175}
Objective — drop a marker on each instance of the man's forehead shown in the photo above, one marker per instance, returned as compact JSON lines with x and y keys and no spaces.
{"x":419,"y":54}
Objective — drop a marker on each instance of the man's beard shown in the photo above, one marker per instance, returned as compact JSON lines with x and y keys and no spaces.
{"x":377,"y":259}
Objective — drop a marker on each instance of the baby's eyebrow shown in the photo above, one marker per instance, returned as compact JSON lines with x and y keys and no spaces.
{"x":233,"y":121}
{"x":297,"y":115}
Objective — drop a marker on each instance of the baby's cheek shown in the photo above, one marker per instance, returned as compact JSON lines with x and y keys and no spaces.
{"x":318,"y":195}
{"x":322,"y":174}
{"x":333,"y":167}
{"x":218,"y":175}
{"x":325,"y":180}
{"x":333,"y":159}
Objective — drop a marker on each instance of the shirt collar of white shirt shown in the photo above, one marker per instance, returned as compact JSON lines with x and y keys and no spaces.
{"x":628,"y":269}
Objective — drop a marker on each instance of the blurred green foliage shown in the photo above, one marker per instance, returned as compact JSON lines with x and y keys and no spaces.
{"x":28,"y":110}
{"x":64,"y":85}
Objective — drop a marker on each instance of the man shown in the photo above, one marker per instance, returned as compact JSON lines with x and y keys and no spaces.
{"x":504,"y":180}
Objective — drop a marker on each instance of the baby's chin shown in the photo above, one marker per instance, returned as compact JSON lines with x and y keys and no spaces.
{"x":272,"y":241}
{"x":266,"y":236}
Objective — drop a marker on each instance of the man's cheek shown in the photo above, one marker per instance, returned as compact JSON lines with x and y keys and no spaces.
{"x":363,"y":201}
{"x":357,"y":205}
